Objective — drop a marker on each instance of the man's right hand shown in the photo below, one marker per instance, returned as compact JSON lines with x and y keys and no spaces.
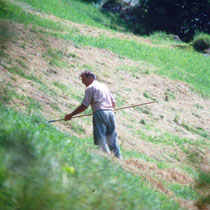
{"x":68,"y":117}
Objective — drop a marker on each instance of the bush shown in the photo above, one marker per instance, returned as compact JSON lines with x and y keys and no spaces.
{"x":164,"y":37}
{"x":201,"y":42}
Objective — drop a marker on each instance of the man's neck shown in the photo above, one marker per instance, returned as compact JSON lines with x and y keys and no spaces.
{"x":90,"y":83}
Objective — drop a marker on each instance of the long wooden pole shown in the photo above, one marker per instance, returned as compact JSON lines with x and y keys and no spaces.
{"x":120,"y":108}
{"x":125,"y":107}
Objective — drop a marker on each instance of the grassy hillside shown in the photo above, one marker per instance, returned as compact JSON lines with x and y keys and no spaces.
{"x":43,"y":48}
{"x":179,"y":64}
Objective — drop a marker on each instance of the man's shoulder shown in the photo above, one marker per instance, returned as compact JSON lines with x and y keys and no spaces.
{"x":96,"y":86}
{"x":91,"y":87}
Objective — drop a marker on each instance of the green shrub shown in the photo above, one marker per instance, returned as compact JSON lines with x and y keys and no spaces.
{"x":3,"y":6}
{"x":201,"y":42}
{"x":160,"y":36}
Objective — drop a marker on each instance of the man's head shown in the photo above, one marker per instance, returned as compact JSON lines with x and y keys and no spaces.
{"x":87,"y":77}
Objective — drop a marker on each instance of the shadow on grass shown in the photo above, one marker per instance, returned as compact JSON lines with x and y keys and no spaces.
{"x":113,"y":20}
{"x":202,"y":183}
{"x":5,"y":36}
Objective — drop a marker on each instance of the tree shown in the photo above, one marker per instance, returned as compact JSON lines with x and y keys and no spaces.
{"x":180,"y":17}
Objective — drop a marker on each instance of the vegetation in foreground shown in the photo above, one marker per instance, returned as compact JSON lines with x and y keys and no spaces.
{"x":42,"y":168}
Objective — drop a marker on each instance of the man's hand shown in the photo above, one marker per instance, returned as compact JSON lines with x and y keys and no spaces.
{"x":80,"y":109}
{"x":68,"y":117}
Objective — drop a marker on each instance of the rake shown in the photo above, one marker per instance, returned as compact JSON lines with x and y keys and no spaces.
{"x":120,"y":108}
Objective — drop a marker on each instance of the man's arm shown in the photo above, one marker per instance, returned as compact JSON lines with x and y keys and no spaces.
{"x":78,"y":110}
{"x":113,"y":104}
{"x":113,"y":101}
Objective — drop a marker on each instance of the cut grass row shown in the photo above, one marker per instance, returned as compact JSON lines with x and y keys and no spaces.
{"x":186,"y":192}
{"x":44,"y":168}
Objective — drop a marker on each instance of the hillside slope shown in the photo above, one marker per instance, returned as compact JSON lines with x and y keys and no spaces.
{"x":166,"y":143}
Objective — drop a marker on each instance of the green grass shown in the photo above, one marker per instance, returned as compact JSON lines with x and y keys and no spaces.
{"x":141,"y":156}
{"x":170,"y":139}
{"x":161,"y":37}
{"x":2,"y":53}
{"x":56,"y":58}
{"x":22,"y":64}
{"x":21,"y":73}
{"x":49,"y":91}
{"x":58,"y":63}
{"x":148,"y":95}
{"x":183,"y":143}
{"x":203,"y":180}
{"x":76,"y":96}
{"x":87,"y":67}
{"x":43,"y":87}
{"x":203,"y":184}
{"x":184,"y":192}
{"x":5,"y":93}
{"x":128,"y":154}
{"x":16,"y":14}
{"x":55,"y":53}
{"x":196,"y":130}
{"x":61,"y":86}
{"x":79,"y":12}
{"x":76,"y":128}
{"x":190,"y":171}
{"x":134,"y":71}
{"x":44,"y":168}
{"x":33,"y":104}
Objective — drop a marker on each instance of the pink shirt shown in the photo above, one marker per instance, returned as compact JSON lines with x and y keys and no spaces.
{"x":98,"y":96}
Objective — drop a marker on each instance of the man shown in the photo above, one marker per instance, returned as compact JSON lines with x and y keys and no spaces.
{"x":102,"y":103}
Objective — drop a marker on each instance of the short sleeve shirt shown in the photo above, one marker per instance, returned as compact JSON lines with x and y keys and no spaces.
{"x":98,"y":96}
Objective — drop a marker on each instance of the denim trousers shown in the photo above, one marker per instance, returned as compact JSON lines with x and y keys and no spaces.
{"x":104,"y":131}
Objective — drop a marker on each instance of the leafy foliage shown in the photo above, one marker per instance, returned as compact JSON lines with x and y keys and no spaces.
{"x":183,"y":18}
{"x":201,"y":42}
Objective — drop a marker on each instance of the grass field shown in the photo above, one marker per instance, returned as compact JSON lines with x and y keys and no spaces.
{"x":57,"y":167}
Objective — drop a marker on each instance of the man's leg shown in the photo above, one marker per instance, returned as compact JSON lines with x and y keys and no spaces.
{"x":112,"y":136}
{"x":99,"y":131}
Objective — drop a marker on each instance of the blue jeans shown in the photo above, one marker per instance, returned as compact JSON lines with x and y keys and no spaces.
{"x":104,"y":131}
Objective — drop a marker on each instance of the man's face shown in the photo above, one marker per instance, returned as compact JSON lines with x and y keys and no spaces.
{"x":86,"y":80}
